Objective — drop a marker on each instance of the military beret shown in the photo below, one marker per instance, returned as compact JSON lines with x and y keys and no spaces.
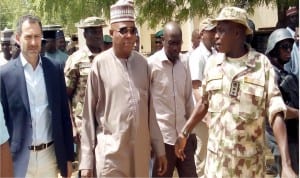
{"x":159,"y":34}
{"x":107,"y":39}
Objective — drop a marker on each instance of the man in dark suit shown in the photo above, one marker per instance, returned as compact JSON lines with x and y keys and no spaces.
{"x":35,"y":106}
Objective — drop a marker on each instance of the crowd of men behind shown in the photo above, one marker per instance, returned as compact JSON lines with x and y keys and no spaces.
{"x":207,"y":112}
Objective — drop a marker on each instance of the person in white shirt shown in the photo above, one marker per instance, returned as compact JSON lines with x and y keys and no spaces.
{"x":197,"y":61}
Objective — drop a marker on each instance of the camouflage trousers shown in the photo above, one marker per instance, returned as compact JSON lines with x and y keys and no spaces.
{"x":228,"y":165}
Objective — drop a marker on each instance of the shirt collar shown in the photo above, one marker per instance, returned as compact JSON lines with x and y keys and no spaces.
{"x":163,"y":57}
{"x":25,"y":62}
{"x":88,"y":51}
{"x":252,"y":57}
{"x":203,"y":49}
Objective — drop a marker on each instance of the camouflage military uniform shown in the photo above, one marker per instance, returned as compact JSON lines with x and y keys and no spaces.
{"x":76,"y":72}
{"x":236,"y":131}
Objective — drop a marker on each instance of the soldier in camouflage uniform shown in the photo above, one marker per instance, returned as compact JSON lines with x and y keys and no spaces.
{"x":78,"y":66}
{"x":238,"y":91}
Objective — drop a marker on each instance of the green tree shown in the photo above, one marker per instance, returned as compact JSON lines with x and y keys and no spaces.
{"x":155,"y":12}
{"x":150,"y":12}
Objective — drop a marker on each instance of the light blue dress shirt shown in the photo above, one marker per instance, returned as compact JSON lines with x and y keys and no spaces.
{"x":3,"y":130}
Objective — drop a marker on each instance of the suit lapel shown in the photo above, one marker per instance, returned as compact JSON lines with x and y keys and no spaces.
{"x":22,"y":85}
{"x":48,"y":71}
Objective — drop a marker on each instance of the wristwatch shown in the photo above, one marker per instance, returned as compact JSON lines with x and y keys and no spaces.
{"x":185,"y":133}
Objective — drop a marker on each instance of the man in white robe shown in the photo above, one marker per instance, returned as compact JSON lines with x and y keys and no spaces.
{"x":119,"y":127}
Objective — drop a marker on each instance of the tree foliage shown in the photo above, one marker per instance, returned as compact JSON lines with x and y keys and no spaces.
{"x":150,"y":12}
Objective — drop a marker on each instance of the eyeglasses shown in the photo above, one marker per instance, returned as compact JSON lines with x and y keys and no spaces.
{"x":125,"y":30}
{"x":286,"y":46}
{"x":158,"y":42}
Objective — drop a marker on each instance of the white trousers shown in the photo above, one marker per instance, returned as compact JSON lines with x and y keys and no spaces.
{"x":201,"y":131}
{"x":42,"y":164}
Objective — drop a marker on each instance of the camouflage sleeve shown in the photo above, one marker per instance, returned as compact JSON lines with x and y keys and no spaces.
{"x":71,"y":73}
{"x":274,"y":103}
{"x":91,"y":111}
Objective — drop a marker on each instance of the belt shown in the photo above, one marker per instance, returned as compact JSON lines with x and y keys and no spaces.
{"x":41,"y":146}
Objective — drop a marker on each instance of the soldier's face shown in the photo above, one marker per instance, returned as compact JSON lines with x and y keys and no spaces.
{"x":224,"y":36}
{"x":94,"y":37}
{"x":61,"y":43}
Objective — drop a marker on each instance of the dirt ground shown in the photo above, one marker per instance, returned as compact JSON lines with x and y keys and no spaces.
{"x":269,"y":160}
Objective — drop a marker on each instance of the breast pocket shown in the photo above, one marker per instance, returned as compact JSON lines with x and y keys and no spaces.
{"x":251,"y":99}
{"x":84,"y":68}
{"x":214,"y":90}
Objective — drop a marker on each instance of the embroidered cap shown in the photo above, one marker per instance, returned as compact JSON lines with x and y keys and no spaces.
{"x":91,"y":22}
{"x":291,"y":11}
{"x":236,"y":15}
{"x":122,"y":11}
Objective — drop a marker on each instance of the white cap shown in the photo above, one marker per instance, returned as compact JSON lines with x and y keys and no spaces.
{"x":122,"y":11}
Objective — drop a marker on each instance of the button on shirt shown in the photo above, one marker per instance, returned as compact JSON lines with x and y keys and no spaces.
{"x":3,"y":130}
{"x":171,"y":90}
{"x":38,"y":101}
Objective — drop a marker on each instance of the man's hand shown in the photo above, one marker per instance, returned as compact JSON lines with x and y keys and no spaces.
{"x":69,"y":169}
{"x":76,"y":135}
{"x":287,"y":172}
{"x":162,"y":165}
{"x":179,"y":146}
{"x":86,"y":173}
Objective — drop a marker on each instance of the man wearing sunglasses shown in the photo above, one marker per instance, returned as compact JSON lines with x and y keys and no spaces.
{"x":119,"y":127}
{"x":279,"y":47}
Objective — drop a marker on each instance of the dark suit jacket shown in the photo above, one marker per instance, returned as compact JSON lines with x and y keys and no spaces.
{"x":16,"y":110}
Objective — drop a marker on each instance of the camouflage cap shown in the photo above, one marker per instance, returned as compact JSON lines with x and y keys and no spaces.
{"x":6,"y":34}
{"x":236,"y":15}
{"x":206,"y":25}
{"x":91,"y":22}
